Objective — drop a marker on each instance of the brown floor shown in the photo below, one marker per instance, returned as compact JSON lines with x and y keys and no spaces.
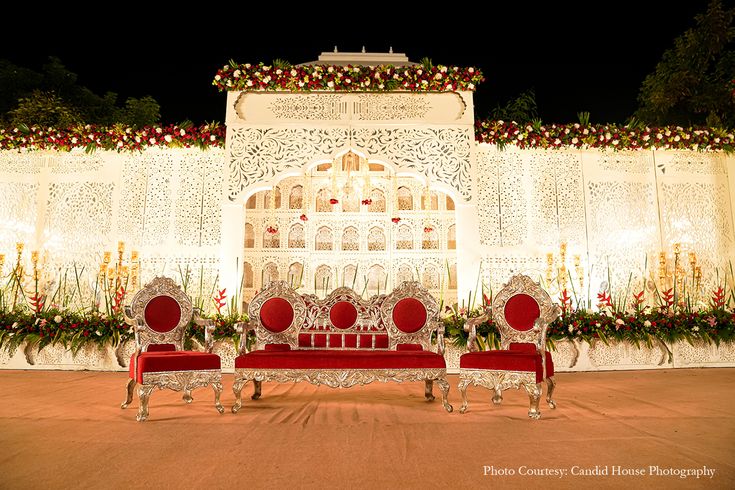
{"x":61,"y":429}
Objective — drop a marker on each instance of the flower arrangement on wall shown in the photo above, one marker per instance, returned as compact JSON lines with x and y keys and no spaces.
{"x":602,"y":136}
{"x":117,"y":138}
{"x":500,"y":133}
{"x":382,"y":78}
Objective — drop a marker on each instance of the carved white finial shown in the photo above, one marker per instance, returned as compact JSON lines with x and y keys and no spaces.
{"x":363,"y":49}
{"x":335,"y":48}
{"x":391,"y":50}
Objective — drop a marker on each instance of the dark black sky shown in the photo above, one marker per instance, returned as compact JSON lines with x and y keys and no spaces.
{"x":578,"y":56}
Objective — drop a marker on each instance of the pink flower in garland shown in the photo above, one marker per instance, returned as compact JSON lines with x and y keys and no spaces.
{"x":367,"y":202}
{"x":303,"y":218}
{"x":396,"y":220}
{"x":428,"y":229}
{"x":272,"y":230}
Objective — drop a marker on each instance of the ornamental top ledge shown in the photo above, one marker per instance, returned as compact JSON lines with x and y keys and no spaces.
{"x":338,"y":58}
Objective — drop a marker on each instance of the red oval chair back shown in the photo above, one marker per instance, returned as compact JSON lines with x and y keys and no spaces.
{"x":276,"y":315}
{"x":409,"y":315}
{"x":162,"y":313}
{"x":343,"y":314}
{"x":521,"y":310}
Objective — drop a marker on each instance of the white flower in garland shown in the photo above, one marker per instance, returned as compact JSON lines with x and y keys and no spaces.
{"x":57,"y":318}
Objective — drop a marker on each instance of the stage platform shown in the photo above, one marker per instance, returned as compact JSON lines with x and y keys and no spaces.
{"x":624,"y":429}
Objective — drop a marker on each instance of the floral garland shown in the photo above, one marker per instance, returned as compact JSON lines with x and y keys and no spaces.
{"x":118,"y":138}
{"x":74,"y":330}
{"x":382,"y":78}
{"x":607,"y":136}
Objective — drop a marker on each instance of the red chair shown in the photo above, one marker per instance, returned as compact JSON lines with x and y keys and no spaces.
{"x":159,"y":314}
{"x":522,"y":312}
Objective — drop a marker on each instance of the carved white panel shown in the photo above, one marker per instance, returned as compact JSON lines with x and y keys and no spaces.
{"x":13,"y":162}
{"x":278,"y":108}
{"x":622,"y":229}
{"x":692,"y":163}
{"x":147,"y":207}
{"x":17,"y":213}
{"x":74,"y":162}
{"x":258,"y":154}
{"x":513,"y":183}
{"x":635,"y":162}
{"x":306,"y":107}
{"x":488,"y":196}
{"x":392,"y":107}
{"x":198,"y":200}
{"x":696,"y":214}
{"x":496,"y":269}
{"x":79,"y":219}
{"x":442,"y":154}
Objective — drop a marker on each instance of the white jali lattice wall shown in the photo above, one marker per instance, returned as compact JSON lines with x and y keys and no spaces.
{"x":74,"y":206}
{"x":185,"y":210}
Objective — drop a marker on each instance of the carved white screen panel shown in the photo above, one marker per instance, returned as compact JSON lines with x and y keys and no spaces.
{"x":696,"y":212}
{"x":256,"y":155}
{"x":17,"y":213}
{"x":279,"y":108}
{"x":441,"y":154}
{"x":622,"y":218}
{"x":79,"y":220}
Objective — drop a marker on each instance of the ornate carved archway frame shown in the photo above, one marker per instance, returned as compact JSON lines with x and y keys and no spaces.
{"x":271,"y":136}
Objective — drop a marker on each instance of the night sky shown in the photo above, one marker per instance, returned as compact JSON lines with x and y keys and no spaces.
{"x":578,"y":56}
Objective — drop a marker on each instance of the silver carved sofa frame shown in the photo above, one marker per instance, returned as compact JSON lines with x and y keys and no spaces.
{"x":312,"y":318}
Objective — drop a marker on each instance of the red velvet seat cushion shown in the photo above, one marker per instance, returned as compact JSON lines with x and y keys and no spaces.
{"x":508,"y":360}
{"x":162,"y":313}
{"x":521,"y":311}
{"x":340,"y":359}
{"x":343,"y":314}
{"x":276,"y":314}
{"x":409,"y":315}
{"x":155,"y":362}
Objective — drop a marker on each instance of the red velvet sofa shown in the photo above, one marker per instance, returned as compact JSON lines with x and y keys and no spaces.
{"x":342,"y":340}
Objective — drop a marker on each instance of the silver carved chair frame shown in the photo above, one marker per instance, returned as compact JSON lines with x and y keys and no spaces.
{"x":310,"y":311}
{"x":145,"y":336}
{"x":499,"y":380}
{"x":413,"y":289}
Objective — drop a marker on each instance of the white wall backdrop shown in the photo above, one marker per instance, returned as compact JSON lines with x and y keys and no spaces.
{"x":617,"y":211}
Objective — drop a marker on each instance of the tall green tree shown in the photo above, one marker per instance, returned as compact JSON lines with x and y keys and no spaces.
{"x":692,"y":84}
{"x":53,"y":97}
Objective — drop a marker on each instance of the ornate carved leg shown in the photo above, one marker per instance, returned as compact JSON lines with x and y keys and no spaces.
{"x":129,"y":396}
{"x":444,"y":386}
{"x":463,"y":384}
{"x":534,"y":395}
{"x":187,"y":395}
{"x":498,"y":396}
{"x":144,"y":392}
{"x":551,"y":384}
{"x":257,"y":385}
{"x":428,"y":391}
{"x":217,"y":387}
{"x":237,"y":390}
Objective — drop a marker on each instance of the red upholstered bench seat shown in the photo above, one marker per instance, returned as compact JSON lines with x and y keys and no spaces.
{"x":340,"y":359}
{"x":156,"y":362}
{"x":341,"y":340}
{"x":507,"y":360}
